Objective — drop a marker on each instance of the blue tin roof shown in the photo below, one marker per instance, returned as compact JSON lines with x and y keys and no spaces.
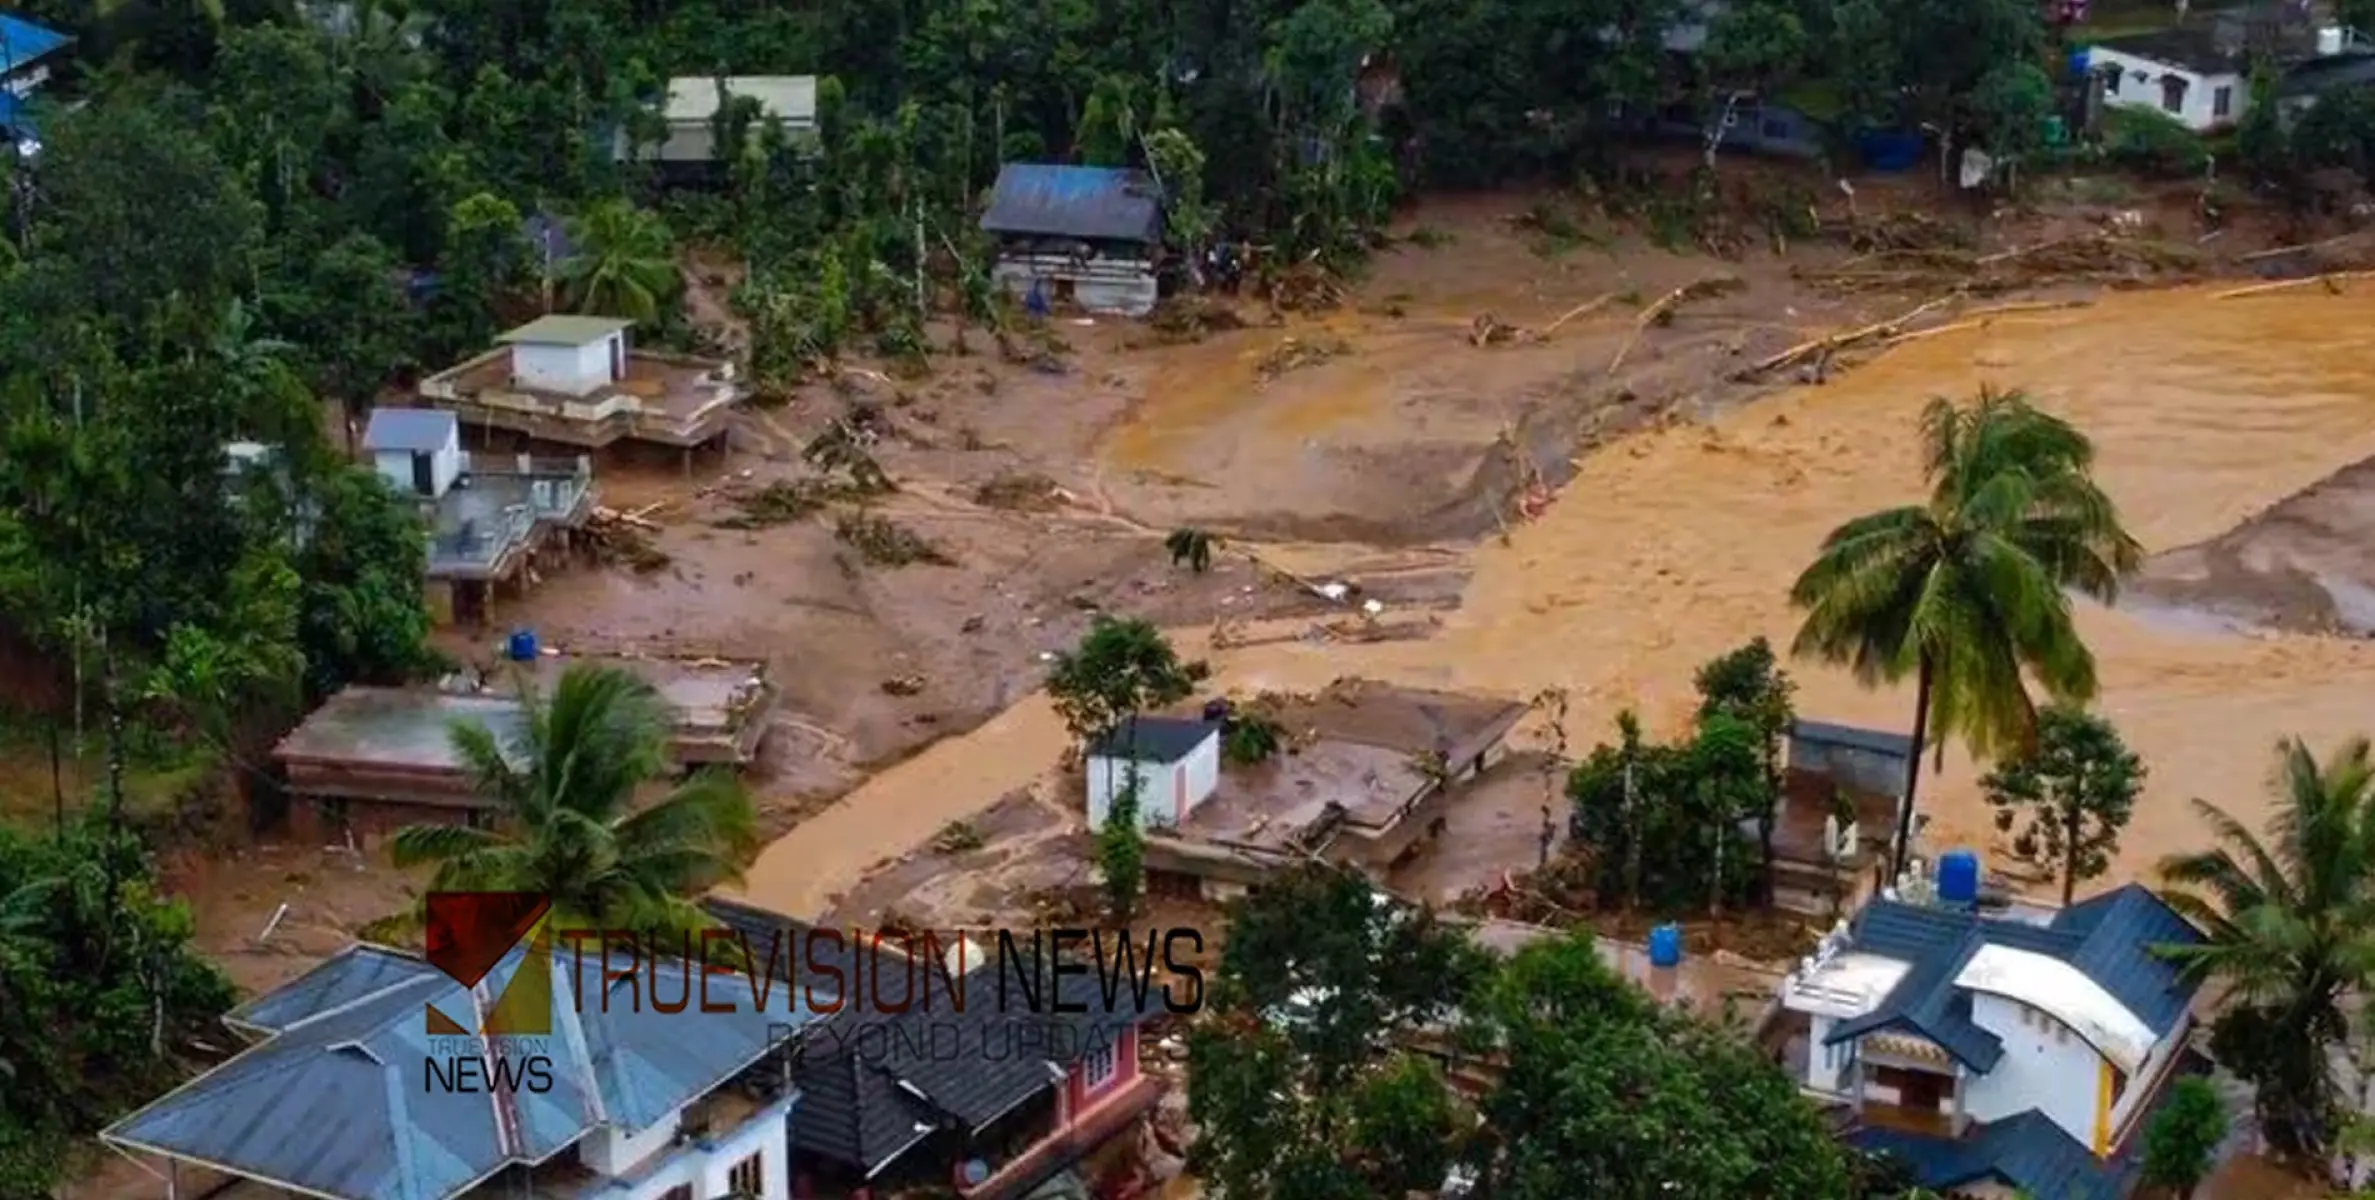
{"x":334,"y":1102}
{"x":22,"y":41}
{"x":2027,"y":1151}
{"x":1091,"y":203}
{"x":2110,"y":938}
{"x":418,"y":430}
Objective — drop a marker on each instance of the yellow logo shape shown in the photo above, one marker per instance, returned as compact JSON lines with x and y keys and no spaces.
{"x":525,"y":1007}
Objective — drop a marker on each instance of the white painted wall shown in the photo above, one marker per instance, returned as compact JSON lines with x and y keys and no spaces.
{"x":1167,"y":791}
{"x":2045,"y":1066}
{"x":707,"y":1164}
{"x":445,"y":465}
{"x":1826,"y":1066}
{"x":2139,"y":86}
{"x":571,"y":370}
{"x":609,"y":1151}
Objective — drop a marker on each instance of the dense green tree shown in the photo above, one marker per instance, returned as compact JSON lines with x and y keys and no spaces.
{"x":1749,"y":686}
{"x":1968,"y":591}
{"x":2289,"y":920}
{"x":567,"y":822}
{"x":2071,"y":791}
{"x":622,"y":263}
{"x":1121,"y":668}
{"x":2181,"y":1143}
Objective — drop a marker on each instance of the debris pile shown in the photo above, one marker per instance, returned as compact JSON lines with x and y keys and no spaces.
{"x":1188,"y":317}
{"x":1292,"y":354}
{"x":1306,"y":288}
{"x":1489,"y":330}
{"x":2101,"y":257}
{"x":779,"y":503}
{"x":1662,"y":312}
{"x":886,"y":543}
{"x":1019,"y":491}
{"x":626,"y":537}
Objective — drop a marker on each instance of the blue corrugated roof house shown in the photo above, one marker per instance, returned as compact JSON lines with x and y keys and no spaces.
{"x":335,"y":1101}
{"x":22,"y":43}
{"x":1947,"y":960}
{"x":1095,"y":204}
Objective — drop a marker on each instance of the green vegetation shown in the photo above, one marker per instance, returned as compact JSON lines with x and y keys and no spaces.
{"x":1320,"y":1069}
{"x":2290,"y":919}
{"x":1968,"y":591}
{"x":104,"y":993}
{"x":2181,"y":1142}
{"x":568,"y":822}
{"x":2075,"y":787}
{"x":1120,"y":669}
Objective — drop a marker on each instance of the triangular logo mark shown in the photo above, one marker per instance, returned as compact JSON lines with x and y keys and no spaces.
{"x":525,"y":1009}
{"x":469,"y":932}
{"x":441,"y":1025}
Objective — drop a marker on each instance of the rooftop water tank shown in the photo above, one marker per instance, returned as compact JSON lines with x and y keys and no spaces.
{"x":1665,"y":945}
{"x":521,"y":648}
{"x":1958,"y":878}
{"x":2329,"y":41}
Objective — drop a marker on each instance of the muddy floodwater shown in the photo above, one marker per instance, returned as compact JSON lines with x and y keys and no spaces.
{"x":1673,"y":545}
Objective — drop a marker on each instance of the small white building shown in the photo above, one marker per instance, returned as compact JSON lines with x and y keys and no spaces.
{"x":417,"y":450}
{"x":2200,"y":75}
{"x":788,"y":101}
{"x":572,"y":355}
{"x":1997,"y":1050}
{"x":1176,"y":761}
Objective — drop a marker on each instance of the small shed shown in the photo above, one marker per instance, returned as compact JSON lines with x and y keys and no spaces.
{"x":1083,"y":235}
{"x":417,"y":450}
{"x":1177,"y":763}
{"x":1870,"y":761}
{"x":572,"y":355}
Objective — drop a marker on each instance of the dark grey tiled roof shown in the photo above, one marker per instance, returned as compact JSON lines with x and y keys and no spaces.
{"x":1155,"y":739}
{"x":2110,"y":938}
{"x":2027,"y":1151}
{"x":1852,"y":736}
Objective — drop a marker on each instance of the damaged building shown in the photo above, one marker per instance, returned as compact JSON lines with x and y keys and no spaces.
{"x":1089,"y":237}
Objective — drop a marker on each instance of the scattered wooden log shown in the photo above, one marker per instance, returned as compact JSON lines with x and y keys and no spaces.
{"x":2332,"y":281}
{"x":1837,"y":341}
{"x":1584,"y":309}
{"x":1980,"y":318}
{"x":1663,"y":310}
{"x":2281,"y":251}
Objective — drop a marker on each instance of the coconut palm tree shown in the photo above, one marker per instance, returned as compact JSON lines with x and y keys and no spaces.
{"x":2289,"y":919}
{"x":566,"y":823}
{"x":622,"y":262}
{"x":1967,"y":591}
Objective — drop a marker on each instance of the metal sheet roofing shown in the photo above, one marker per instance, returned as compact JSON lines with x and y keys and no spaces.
{"x":351,"y":974}
{"x":789,"y":98}
{"x":1155,"y":739}
{"x":418,"y":430}
{"x":333,"y":1105}
{"x":1856,"y":737}
{"x":2027,"y":1151}
{"x":1091,"y":203}
{"x":2109,"y":940}
{"x":565,"y":329}
{"x":22,"y":41}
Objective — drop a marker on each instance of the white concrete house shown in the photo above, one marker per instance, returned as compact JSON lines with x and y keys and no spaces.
{"x":1177,"y":763}
{"x":692,"y":106}
{"x":2200,"y":75}
{"x":572,"y":355}
{"x":1995,"y":1050}
{"x":339,"y":1093}
{"x":417,"y":450}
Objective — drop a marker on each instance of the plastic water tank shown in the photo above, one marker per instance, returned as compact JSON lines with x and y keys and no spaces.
{"x":1665,"y":945}
{"x":1958,"y":877}
{"x":522,"y":646}
{"x":2080,"y":59}
{"x":2330,"y":41}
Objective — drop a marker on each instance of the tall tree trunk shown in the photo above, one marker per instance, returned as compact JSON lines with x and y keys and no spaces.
{"x":1925,"y":677}
{"x":1765,"y":824}
{"x":57,"y":775}
{"x":2070,"y":822}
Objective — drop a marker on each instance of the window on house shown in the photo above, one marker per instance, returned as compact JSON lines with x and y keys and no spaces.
{"x":1777,"y":129}
{"x":2222,"y":101}
{"x":2111,"y":82}
{"x":480,"y":818}
{"x":1098,"y":1068}
{"x":2061,"y":1033}
{"x":748,"y":1178}
{"x":682,"y":1191}
{"x":2172,"y":94}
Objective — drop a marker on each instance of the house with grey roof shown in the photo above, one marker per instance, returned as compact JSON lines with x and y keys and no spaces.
{"x":351,"y":1090}
{"x":689,"y":113}
{"x":491,"y":518}
{"x":979,"y":1091}
{"x":576,"y":380}
{"x":2019,"y":1052}
{"x":1071,"y":235}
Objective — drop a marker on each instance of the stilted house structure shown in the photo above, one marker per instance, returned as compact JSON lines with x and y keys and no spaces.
{"x":490,"y":517}
{"x":575,"y":380}
{"x":1085,"y":236}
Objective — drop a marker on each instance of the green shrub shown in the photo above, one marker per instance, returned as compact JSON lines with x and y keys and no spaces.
{"x":2153,"y":143}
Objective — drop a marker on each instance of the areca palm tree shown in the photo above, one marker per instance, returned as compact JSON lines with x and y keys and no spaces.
{"x":567,"y":825}
{"x":2290,"y":925}
{"x":1968,"y":591}
{"x":621,"y":264}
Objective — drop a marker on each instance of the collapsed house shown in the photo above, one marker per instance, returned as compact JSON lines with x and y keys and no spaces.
{"x":1837,"y":814}
{"x":491,"y":518}
{"x":372,"y":760}
{"x":1085,"y":236}
{"x":1364,"y":779}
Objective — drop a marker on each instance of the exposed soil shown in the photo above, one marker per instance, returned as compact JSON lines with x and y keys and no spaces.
{"x":2305,"y":565}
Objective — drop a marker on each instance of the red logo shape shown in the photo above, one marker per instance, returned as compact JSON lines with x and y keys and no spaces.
{"x":469,"y":932}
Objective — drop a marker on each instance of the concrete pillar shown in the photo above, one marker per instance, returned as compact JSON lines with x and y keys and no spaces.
{"x":1959,"y":1118}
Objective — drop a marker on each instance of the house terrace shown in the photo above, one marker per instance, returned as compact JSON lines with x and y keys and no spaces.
{"x":722,"y":705}
{"x":573,"y":380}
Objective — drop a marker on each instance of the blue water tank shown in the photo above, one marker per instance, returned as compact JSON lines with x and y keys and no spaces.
{"x":1958,"y":877}
{"x":2080,"y":59}
{"x":1890,"y":150}
{"x":1665,"y":945}
{"x":522,"y":646}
